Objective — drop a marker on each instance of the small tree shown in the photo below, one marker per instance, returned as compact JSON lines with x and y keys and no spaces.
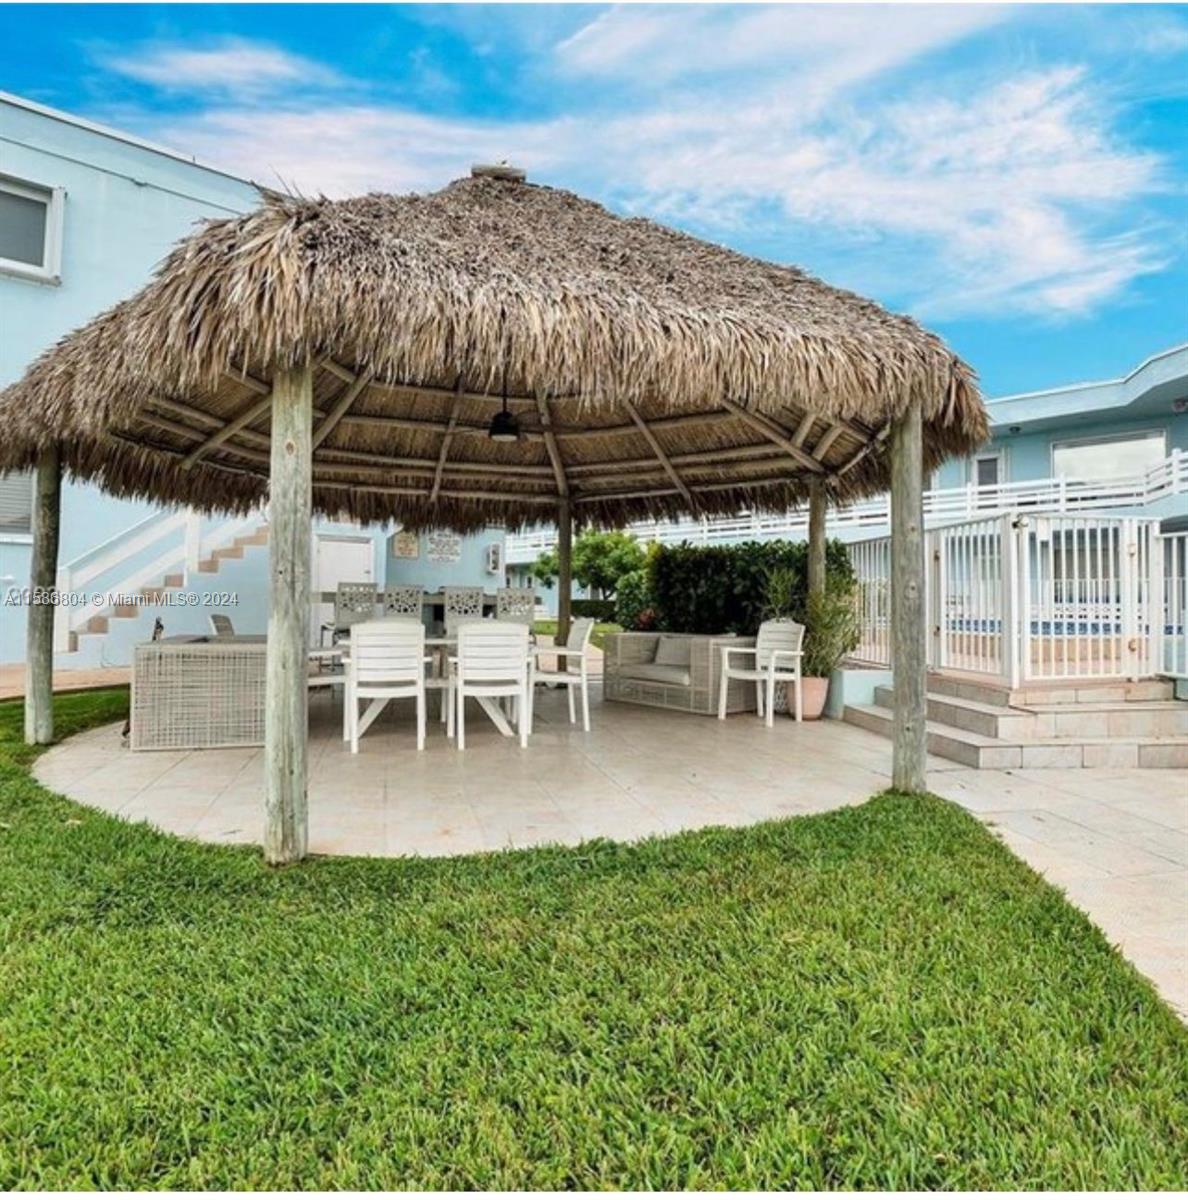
{"x":600,"y":560}
{"x":546,"y":568}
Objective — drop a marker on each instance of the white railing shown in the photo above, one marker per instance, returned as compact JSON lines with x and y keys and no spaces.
{"x":1174,"y":548}
{"x":941,"y":506}
{"x":1038,"y":596}
{"x":180,"y":546}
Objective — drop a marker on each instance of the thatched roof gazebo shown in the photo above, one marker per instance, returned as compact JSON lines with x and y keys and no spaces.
{"x":348,"y":357}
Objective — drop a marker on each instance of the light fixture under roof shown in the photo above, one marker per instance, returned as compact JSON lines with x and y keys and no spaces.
{"x":505,"y":425}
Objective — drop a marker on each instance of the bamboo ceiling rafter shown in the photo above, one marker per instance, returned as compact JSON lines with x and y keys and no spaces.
{"x":658,"y":450}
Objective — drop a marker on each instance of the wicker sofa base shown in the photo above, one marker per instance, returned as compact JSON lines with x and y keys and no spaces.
{"x":198,"y":695}
{"x":700,"y":695}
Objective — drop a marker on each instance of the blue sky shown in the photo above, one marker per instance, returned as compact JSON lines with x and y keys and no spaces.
{"x":1015,"y":176}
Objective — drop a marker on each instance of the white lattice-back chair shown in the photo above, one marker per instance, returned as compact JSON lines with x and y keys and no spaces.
{"x":493,"y":661}
{"x":402,"y":600}
{"x":220,"y":625}
{"x":353,"y":603}
{"x":515,"y":604}
{"x":387,"y":662}
{"x":461,"y":604}
{"x":576,"y":656}
{"x":775,"y":658}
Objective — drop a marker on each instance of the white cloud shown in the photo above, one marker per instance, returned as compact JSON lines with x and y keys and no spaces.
{"x":233,"y":65}
{"x":1003,"y":197}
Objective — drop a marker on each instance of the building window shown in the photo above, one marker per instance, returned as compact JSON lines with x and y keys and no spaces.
{"x":987,"y":470}
{"x":30,"y":230}
{"x":1090,"y":459}
{"x":16,"y":502}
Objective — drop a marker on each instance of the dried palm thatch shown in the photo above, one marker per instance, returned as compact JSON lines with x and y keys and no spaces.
{"x":653,"y":373}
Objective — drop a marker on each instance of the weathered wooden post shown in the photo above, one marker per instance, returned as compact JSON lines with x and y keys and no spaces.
{"x":43,"y":578}
{"x":816,"y":538}
{"x":564,"y":569}
{"x":286,"y":818}
{"x":908,"y":626}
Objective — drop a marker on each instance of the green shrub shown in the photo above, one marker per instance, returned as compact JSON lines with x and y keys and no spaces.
{"x":633,"y":601}
{"x":600,"y":610}
{"x":724,"y":589}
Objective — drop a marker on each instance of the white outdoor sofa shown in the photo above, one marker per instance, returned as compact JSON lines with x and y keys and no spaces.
{"x":673,"y":670}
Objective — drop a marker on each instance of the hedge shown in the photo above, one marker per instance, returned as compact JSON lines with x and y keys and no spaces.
{"x":719,"y":589}
{"x":600,"y":610}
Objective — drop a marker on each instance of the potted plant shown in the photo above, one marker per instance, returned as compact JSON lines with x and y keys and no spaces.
{"x":831,"y":632}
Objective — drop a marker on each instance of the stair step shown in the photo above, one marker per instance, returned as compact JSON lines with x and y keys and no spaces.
{"x":1055,"y":692}
{"x":174,"y":581}
{"x":974,"y":716}
{"x":233,"y":551}
{"x":977,"y":750}
{"x":1041,"y":722}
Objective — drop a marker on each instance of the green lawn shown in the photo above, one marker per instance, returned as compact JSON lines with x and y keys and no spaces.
{"x":548,"y":628}
{"x":876,"y":997}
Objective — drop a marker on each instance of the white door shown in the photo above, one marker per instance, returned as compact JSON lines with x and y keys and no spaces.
{"x":337,"y":559}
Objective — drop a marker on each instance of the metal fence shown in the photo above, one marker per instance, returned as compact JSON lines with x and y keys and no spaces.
{"x":1024,"y":597}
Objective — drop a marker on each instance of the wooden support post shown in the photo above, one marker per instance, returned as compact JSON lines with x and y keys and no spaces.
{"x":564,"y":569}
{"x":816,"y":538}
{"x":286,"y":817}
{"x":43,"y":579}
{"x":908,"y":623}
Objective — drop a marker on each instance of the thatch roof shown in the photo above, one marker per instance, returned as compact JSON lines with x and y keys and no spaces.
{"x":654,"y":373}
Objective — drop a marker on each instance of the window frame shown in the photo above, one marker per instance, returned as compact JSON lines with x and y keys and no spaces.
{"x":13,"y":535}
{"x":999,"y":455}
{"x":54,"y":199}
{"x":1143,"y":433}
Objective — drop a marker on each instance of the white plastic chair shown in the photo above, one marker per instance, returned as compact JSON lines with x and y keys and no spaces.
{"x":220,"y":625}
{"x":387,"y":662}
{"x":777,"y":652}
{"x":576,"y":647}
{"x":515,"y":604}
{"x":493,"y":662}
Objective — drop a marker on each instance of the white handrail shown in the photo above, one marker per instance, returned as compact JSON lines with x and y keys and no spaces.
{"x":1164,"y":479}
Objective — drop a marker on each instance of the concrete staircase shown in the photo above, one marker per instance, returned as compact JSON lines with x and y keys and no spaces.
{"x":101,"y":624}
{"x":1086,"y":723}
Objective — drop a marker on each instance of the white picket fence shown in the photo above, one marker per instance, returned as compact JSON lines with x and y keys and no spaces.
{"x":1024,"y":597}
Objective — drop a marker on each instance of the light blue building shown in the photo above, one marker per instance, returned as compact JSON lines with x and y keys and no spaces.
{"x":86,"y":213}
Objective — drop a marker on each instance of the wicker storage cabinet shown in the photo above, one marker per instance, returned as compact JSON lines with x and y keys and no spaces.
{"x":196,"y":695}
{"x":630,"y":674}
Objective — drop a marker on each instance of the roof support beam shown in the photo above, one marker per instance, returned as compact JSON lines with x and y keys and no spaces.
{"x":804,"y":428}
{"x":658,"y":450}
{"x":776,"y":434}
{"x":354,"y":389}
{"x":550,"y":440}
{"x":253,"y":412}
{"x":447,"y":438}
{"x":828,"y":438}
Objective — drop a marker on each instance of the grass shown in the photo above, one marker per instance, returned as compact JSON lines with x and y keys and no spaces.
{"x":548,"y":628}
{"x":876,"y":997}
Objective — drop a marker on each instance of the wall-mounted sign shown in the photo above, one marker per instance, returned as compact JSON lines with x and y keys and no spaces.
{"x":405,"y":545}
{"x":442,"y":546}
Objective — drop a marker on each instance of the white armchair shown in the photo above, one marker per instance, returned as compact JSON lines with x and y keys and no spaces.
{"x":776,"y":658}
{"x":575,"y":651}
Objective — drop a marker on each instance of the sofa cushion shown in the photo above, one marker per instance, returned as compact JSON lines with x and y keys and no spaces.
{"x":657,"y":673}
{"x":673,"y":652}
